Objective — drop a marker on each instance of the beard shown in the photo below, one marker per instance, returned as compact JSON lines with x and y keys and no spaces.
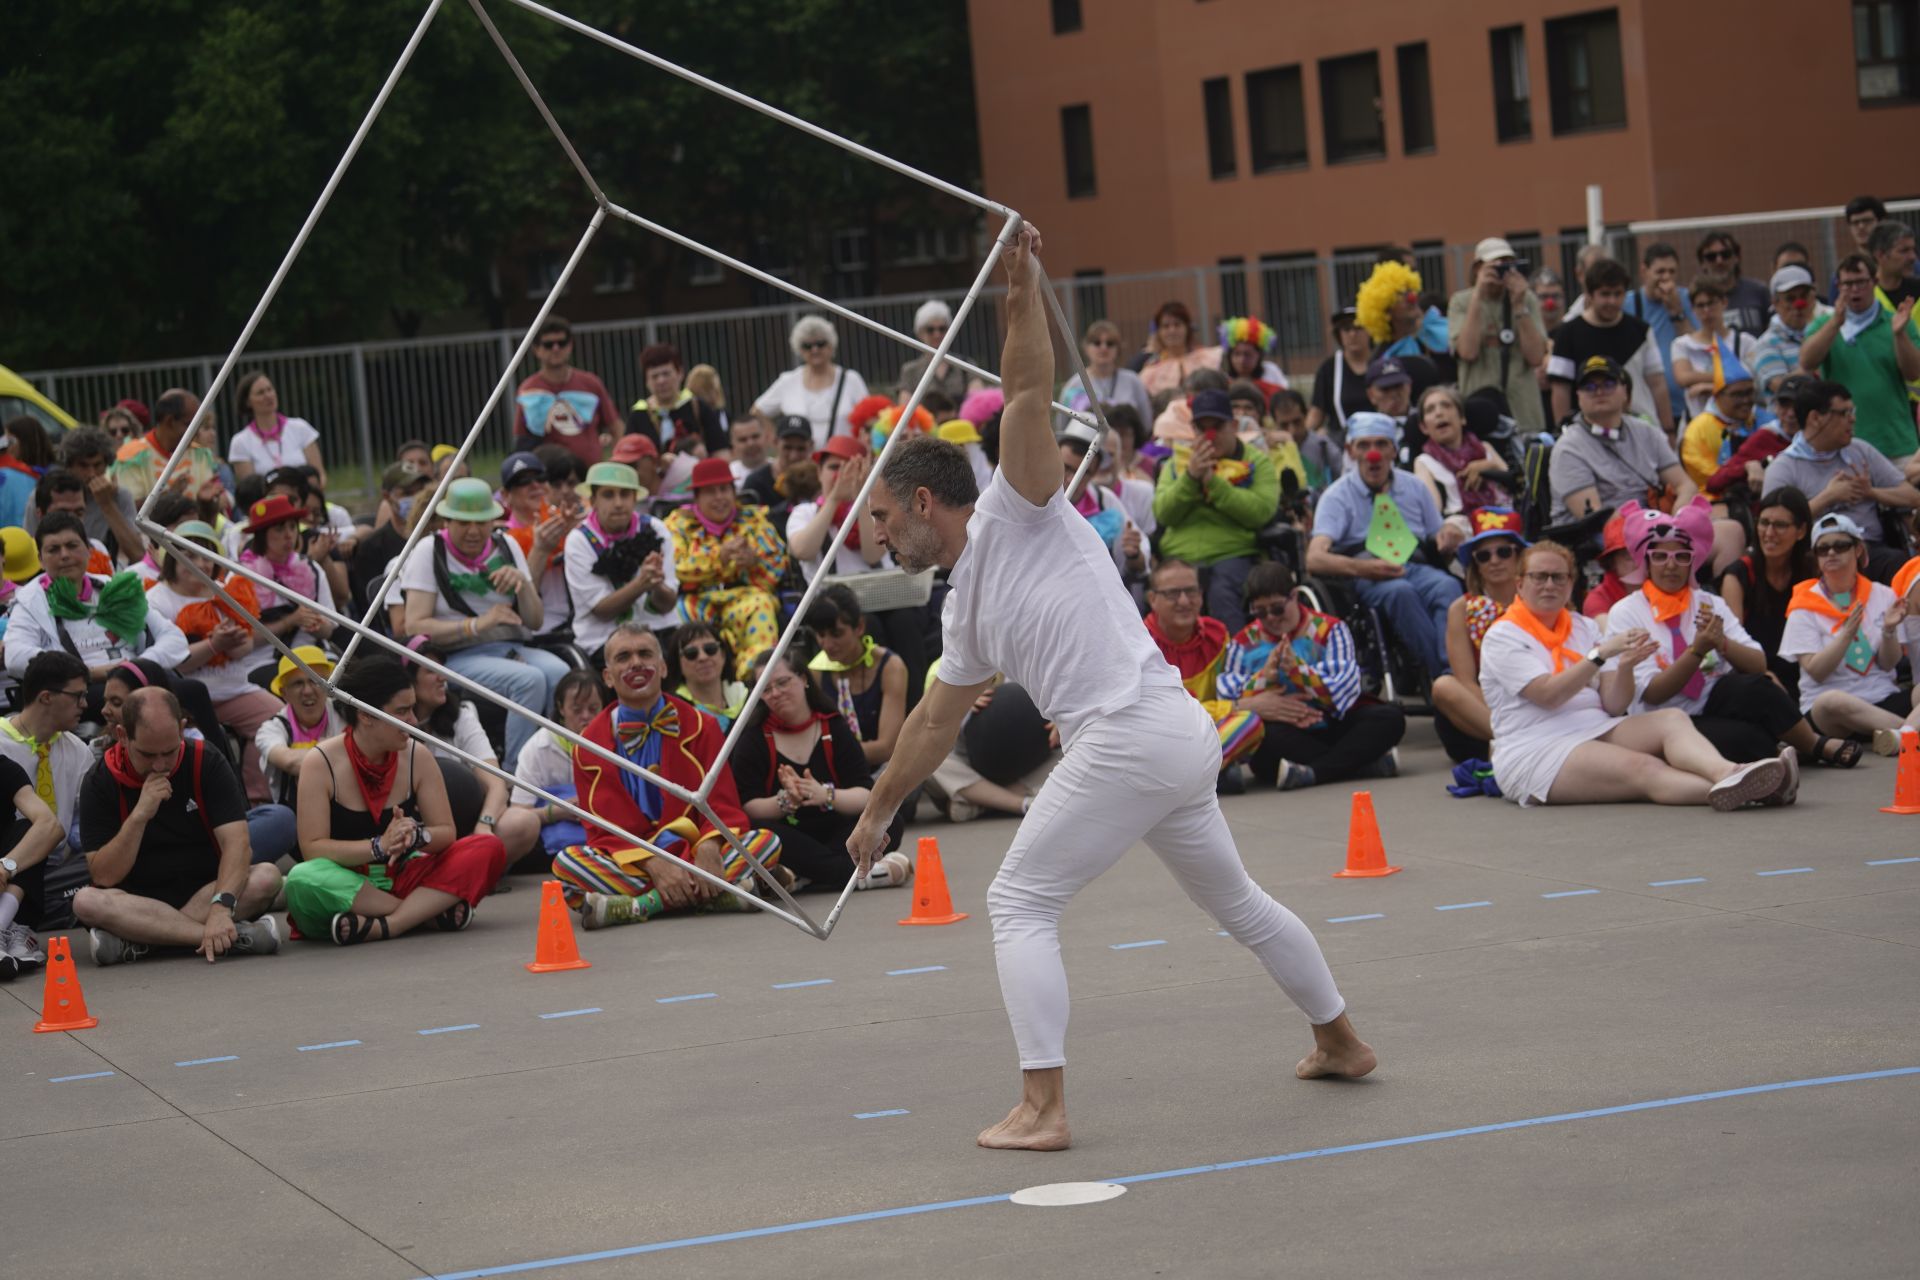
{"x":915,"y":548}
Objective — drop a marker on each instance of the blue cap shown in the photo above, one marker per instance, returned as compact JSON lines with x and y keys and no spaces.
{"x":1372,"y":426}
{"x":1211,"y":404}
{"x":517,"y":465}
{"x":1387,"y":371}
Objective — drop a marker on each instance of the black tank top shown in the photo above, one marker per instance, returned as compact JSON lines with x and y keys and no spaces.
{"x":357,"y":824}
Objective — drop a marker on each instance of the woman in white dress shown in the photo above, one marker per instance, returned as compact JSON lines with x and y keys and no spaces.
{"x":818,"y":390}
{"x":1556,"y":693}
{"x":270,"y":439}
{"x":1845,"y":632}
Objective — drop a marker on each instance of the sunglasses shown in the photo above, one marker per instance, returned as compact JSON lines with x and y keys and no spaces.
{"x":554,"y":344}
{"x":711,"y":649}
{"x":1717,"y":255}
{"x":1102,"y":342}
{"x":1275,"y":611}
{"x":1498,"y":551}
{"x":1826,"y":549}
{"x":1670,"y":557}
{"x":815,"y":345}
{"x":1600,"y":384}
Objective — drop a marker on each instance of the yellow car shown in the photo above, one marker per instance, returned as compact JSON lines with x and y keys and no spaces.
{"x":18,"y":396}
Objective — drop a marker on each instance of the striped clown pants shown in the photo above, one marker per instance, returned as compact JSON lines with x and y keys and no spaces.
{"x":581,"y":869}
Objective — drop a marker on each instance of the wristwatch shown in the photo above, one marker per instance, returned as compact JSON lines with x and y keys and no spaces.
{"x":487,"y":820}
{"x":226,"y":900}
{"x":9,"y":866}
{"x":1593,"y":655}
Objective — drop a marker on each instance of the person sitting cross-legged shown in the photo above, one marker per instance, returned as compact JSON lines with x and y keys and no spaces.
{"x":547,"y":762}
{"x":163,"y":824}
{"x":307,"y":720}
{"x":1367,"y":527}
{"x":376,"y":831}
{"x":608,"y":878}
{"x":1195,"y":645}
{"x":1296,"y":670}
{"x":33,"y":835}
{"x":1845,"y":632}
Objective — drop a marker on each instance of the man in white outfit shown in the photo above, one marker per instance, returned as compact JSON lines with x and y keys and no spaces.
{"x":1035,"y":595}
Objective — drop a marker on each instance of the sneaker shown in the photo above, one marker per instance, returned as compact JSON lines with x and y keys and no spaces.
{"x":111,"y":948}
{"x":1886,"y":742}
{"x":18,"y":943}
{"x":1748,"y":783}
{"x":606,"y":910}
{"x":256,"y":937}
{"x":1232,"y":781}
{"x":1789,"y":789}
{"x":1293,"y":777}
{"x":891,"y":872}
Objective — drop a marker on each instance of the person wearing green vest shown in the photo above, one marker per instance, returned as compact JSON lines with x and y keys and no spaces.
{"x":1872,"y":352}
{"x":1211,"y":501}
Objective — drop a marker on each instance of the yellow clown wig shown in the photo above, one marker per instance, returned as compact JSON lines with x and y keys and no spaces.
{"x":1373,"y":306}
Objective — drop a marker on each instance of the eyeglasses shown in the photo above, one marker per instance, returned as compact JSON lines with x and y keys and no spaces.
{"x":1717,"y":255}
{"x":1103,"y":342}
{"x":1600,"y":384}
{"x":1498,"y":551}
{"x":1549,"y":579}
{"x":1775,"y":526}
{"x":1178,"y":593}
{"x":1862,"y":282}
{"x":554,"y":344}
{"x":1275,"y":611}
{"x":77,"y":694}
{"x":711,"y":649}
{"x":1828,"y":550}
{"x":935,"y":328}
{"x":815,"y":345}
{"x":1670,"y":557}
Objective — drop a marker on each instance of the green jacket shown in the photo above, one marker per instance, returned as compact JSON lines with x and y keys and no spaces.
{"x":1222,"y":522}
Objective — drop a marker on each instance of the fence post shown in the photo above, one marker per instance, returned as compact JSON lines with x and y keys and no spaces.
{"x":1204,"y":306}
{"x":206,"y":376}
{"x":1832,"y":248}
{"x":363,"y":419}
{"x":1596,"y":216}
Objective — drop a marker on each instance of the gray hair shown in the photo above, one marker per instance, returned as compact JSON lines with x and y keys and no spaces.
{"x":1887,"y":234}
{"x":83,"y":443}
{"x":933,"y":464}
{"x":1206,"y":380}
{"x":810,"y":329}
{"x":932,"y":311}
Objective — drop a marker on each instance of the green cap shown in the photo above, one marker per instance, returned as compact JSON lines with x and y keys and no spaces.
{"x":471,"y":500}
{"x":613,"y":475}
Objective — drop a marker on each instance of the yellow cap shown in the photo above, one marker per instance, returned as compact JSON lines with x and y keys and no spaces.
{"x":959,"y":431}
{"x":22,"y":556}
{"x":311,"y":654}
{"x":441,"y":452}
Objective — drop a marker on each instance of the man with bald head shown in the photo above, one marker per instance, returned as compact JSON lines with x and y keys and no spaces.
{"x":163,"y":825}
{"x":136,"y":468}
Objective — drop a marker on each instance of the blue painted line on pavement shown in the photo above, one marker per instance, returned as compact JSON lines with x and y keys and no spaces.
{"x":875,"y":1115}
{"x":1570,"y":893}
{"x":1888,"y":862}
{"x":1462,"y":906}
{"x":1131,"y":946}
{"x":440,"y":1031}
{"x":1785,"y":871}
{"x":202,"y":1062}
{"x":331,"y":1044}
{"x":704,"y":995}
{"x":1375,"y":915}
{"x":573,"y":1013}
{"x":810,"y":982}
{"x":931,"y":968}
{"x":87,"y":1075}
{"x":1662,"y":884}
{"x":937,"y":1206}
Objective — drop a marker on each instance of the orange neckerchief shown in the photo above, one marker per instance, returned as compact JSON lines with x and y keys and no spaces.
{"x":1667,"y":606}
{"x":197,"y":620}
{"x":1806,"y":595}
{"x":1553,"y":639}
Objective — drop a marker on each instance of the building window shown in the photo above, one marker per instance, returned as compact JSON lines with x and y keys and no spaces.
{"x":1233,"y":286}
{"x":1350,"y":107}
{"x":1276,"y":119}
{"x":1886,"y":50}
{"x":1430,"y":260}
{"x":1290,"y":282}
{"x":850,"y":249}
{"x":1416,"y":98}
{"x":1076,"y":136}
{"x":1585,"y":84}
{"x":702,"y":270}
{"x":543,"y":269}
{"x":1066,"y":17}
{"x":615,"y":276}
{"x":1217,"y":96}
{"x":1512,"y":92}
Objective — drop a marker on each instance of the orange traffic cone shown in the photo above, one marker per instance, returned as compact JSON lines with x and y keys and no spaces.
{"x":554,"y":948}
{"x":1906,"y":786}
{"x":64,"y":1007}
{"x":1365,"y":855}
{"x":932,"y":904}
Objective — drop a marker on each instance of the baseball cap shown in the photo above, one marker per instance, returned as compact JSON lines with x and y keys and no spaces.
{"x":1791,"y":276}
{"x":401,"y":474}
{"x":1344,"y":318}
{"x":1835,"y":522}
{"x":1211,"y":404}
{"x":634,"y":445}
{"x":519,"y":467}
{"x":1603,"y":367}
{"x":793,"y":426}
{"x":1792,"y":385}
{"x":1492,"y":249}
{"x":1387,"y":371}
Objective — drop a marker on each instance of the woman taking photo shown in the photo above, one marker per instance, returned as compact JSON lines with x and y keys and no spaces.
{"x":1491,"y":558}
{"x":800,"y":772}
{"x":270,"y":439}
{"x":1758,"y":585}
{"x":1845,"y":633}
{"x":375,"y":830}
{"x":818,"y":390}
{"x":1558,"y":693}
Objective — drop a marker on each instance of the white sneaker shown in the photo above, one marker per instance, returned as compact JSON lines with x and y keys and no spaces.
{"x":18,"y":942}
{"x":1748,"y":783}
{"x":891,"y":872}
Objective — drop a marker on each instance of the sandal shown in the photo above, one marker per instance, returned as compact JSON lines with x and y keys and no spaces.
{"x":454,"y":918}
{"x":1845,"y":756}
{"x":349,"y":929}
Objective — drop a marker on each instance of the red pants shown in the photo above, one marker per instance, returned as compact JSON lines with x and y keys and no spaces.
{"x":468,"y":869}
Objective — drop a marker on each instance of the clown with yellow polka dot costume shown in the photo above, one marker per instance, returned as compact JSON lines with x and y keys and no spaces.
{"x":729,"y":561}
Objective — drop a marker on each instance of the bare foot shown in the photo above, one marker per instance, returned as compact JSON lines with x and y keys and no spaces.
{"x":1353,"y":1060}
{"x":1025,"y":1129}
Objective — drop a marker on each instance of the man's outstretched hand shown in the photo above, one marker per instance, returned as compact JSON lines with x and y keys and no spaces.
{"x":869,"y":839}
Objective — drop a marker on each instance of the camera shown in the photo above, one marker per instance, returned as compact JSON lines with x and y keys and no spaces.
{"x":1518,"y":264}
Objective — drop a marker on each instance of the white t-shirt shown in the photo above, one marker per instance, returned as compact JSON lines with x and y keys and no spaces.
{"x":847,"y":562}
{"x":468,"y":736}
{"x":276,"y":732}
{"x":588,"y":588}
{"x":544,"y":763}
{"x":1446,"y":481}
{"x":1035,"y":597}
{"x":290,"y":450}
{"x":1808,"y":632}
{"x":789,"y":395}
{"x":1532,"y":742}
{"x":1644,"y":361}
{"x":1699,"y":353}
{"x":1636,"y":612}
{"x":71,"y":761}
{"x":418,"y":576}
{"x":228,"y":679}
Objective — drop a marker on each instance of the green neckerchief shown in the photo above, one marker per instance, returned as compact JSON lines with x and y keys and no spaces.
{"x":119,"y":604}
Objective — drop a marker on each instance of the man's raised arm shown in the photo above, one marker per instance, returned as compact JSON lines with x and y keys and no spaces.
{"x":1029,"y":454}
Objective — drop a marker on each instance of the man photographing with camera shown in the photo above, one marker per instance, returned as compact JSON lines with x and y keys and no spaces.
{"x":1497,"y":334}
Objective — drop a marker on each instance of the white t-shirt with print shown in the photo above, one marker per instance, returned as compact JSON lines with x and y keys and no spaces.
{"x":1636,"y":612}
{"x":1808,"y":632}
{"x":418,"y":576}
{"x":289,"y":450}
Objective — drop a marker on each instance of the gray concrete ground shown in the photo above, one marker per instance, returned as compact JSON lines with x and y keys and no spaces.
{"x":529,"y":1144}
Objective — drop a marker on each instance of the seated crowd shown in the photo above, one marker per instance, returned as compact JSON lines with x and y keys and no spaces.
{"x":1645,"y":547}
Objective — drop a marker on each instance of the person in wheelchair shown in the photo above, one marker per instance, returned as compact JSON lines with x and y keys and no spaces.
{"x":1491,"y":558}
{"x":1368,"y":526}
{"x":1297,"y":670}
{"x":1211,"y":501}
{"x":1558,"y":694}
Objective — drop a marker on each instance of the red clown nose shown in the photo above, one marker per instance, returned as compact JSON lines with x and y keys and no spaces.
{"x":1375,"y":456}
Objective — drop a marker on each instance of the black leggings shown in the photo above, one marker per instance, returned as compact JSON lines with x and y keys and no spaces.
{"x":1337,"y":750}
{"x":820,"y":853}
{"x":1746,"y":716}
{"x":1460,"y":745}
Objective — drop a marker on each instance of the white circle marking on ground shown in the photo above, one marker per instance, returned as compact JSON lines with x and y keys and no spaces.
{"x":1055,"y":1195}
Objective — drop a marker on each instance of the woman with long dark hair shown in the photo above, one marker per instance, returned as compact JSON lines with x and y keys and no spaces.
{"x":1758,"y":585}
{"x":479,"y":799}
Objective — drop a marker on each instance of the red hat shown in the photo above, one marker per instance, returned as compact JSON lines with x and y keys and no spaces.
{"x":269,"y":511}
{"x":846,"y":447}
{"x":1614,"y":537}
{"x":634,"y":445}
{"x":710,"y":473}
{"x":141,"y":413}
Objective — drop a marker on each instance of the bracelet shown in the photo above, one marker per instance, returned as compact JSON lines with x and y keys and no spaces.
{"x":829,"y":797}
{"x":470,"y":627}
{"x":379,"y":857}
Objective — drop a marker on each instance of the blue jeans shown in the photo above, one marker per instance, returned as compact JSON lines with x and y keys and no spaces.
{"x":518,"y":672}
{"x":1226,"y":585}
{"x":272,"y":832}
{"x":1415,"y":609}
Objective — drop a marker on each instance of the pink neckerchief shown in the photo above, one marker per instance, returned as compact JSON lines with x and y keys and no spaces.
{"x":279,"y":429}
{"x":148,"y":561}
{"x":600,"y":533}
{"x":718,"y":528}
{"x":293,"y":573}
{"x":459,"y":557}
{"x":1088,"y":503}
{"x":7,"y":588}
{"x":86,"y":585}
{"x":298,"y":735}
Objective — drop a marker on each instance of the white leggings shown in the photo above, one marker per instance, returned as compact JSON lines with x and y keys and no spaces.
{"x":1147,"y":772}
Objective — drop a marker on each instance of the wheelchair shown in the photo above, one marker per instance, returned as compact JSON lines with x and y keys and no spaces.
{"x":1384,"y":671}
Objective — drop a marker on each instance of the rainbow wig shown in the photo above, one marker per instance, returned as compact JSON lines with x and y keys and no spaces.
{"x":863,"y":413}
{"x":888,"y":418}
{"x":1235,"y":330}
{"x":1373,"y":305}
